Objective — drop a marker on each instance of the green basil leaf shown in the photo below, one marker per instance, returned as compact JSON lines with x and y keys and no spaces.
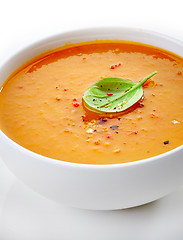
{"x":114,"y":94}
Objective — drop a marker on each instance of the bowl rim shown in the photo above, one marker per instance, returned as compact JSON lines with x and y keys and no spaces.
{"x":49,"y":160}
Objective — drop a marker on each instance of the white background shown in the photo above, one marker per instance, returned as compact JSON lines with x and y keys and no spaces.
{"x":24,"y":215}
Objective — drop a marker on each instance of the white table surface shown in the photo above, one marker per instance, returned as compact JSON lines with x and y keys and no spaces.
{"x":25,"y":215}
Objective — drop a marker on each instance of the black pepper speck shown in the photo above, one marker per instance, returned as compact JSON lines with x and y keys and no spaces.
{"x":166,"y":142}
{"x":114,"y":127}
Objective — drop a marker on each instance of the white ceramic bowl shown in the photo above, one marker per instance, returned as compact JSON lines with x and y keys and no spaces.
{"x":103,"y":187}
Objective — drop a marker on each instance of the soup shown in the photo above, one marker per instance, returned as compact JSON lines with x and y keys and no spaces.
{"x":42,"y":109}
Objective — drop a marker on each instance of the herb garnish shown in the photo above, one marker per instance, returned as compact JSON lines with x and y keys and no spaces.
{"x":114,"y":94}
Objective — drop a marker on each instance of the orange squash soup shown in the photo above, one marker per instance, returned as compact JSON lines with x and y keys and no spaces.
{"x":42,"y":108}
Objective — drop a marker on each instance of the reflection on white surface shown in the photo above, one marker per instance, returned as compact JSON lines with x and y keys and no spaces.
{"x":26,"y":215}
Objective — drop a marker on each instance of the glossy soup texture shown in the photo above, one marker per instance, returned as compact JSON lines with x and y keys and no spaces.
{"x":42,"y":110}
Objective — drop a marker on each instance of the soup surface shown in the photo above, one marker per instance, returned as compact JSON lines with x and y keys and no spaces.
{"x":42,"y":110}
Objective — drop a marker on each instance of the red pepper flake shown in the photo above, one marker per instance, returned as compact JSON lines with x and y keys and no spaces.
{"x":152,"y":115}
{"x":115,"y":66}
{"x":109,"y":94}
{"x":58,"y":98}
{"x":140,"y":105}
{"x":65,"y":89}
{"x":20,"y":87}
{"x":149,"y":83}
{"x":83,"y":117}
{"x":108,"y":136}
{"x":128,"y":132}
{"x":179,"y":73}
{"x":97,"y":142}
{"x":155,"y":57}
{"x":75,"y":104}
